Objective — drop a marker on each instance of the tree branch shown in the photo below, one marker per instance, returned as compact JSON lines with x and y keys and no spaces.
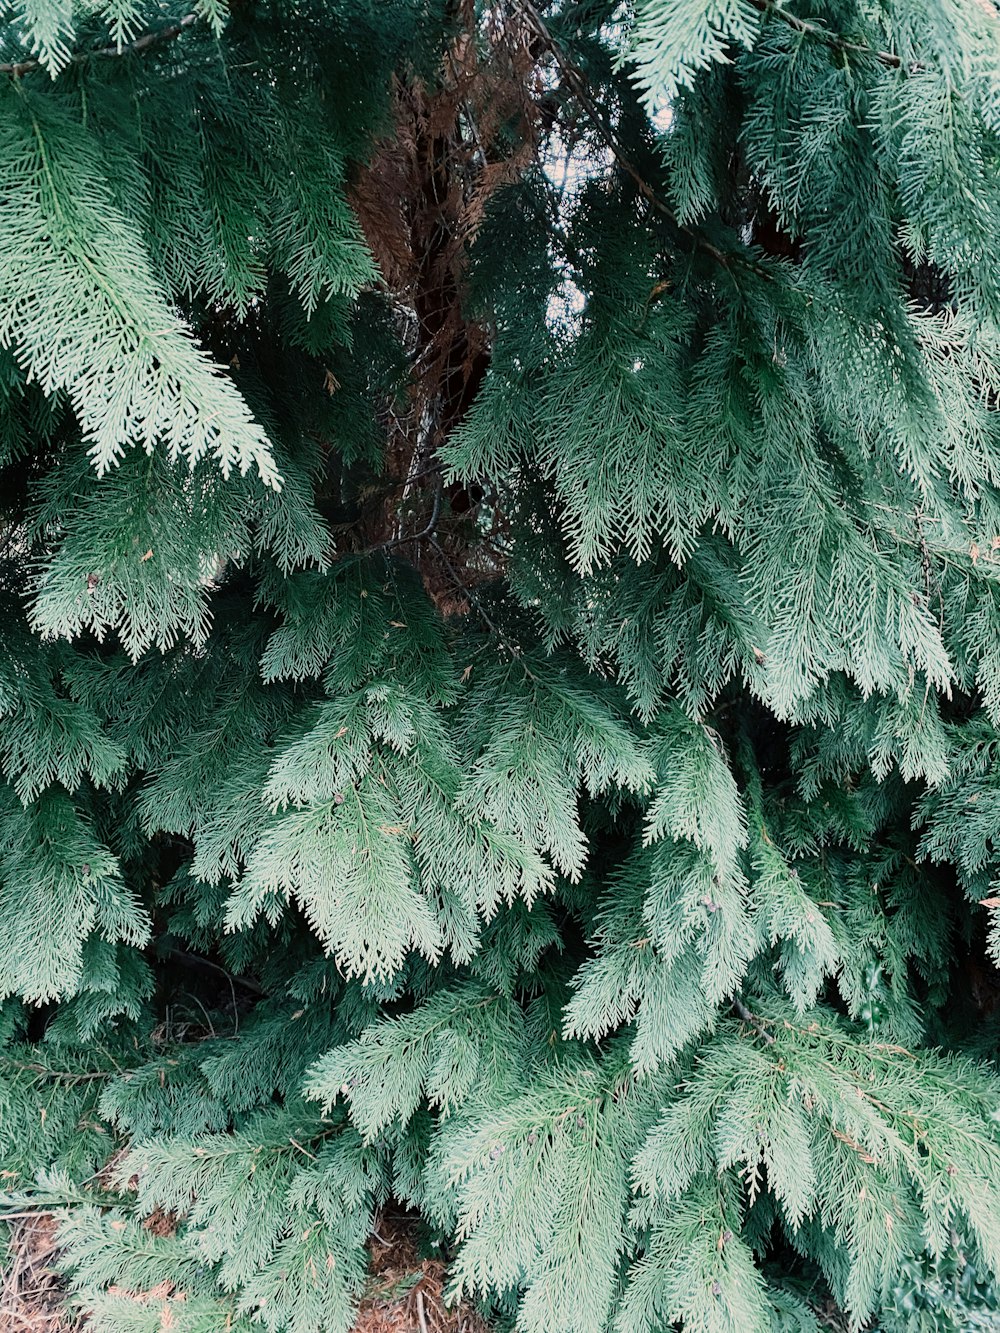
{"x":744,"y":1013}
{"x":196,"y":960}
{"x":155,"y":37}
{"x":888,"y":58}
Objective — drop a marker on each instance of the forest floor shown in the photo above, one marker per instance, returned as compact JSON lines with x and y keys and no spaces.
{"x":30,"y":1291}
{"x":405,"y":1293}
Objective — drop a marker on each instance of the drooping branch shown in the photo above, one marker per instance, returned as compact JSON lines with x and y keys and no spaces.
{"x":154,"y":37}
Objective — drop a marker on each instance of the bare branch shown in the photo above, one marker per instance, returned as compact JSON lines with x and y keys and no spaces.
{"x":744,"y":1013}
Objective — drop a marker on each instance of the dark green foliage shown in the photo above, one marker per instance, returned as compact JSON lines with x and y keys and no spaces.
{"x":955,"y":1294}
{"x":500,"y":656}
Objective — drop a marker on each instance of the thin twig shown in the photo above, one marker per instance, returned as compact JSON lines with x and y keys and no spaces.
{"x":61,"y":1075}
{"x":473,"y":127}
{"x":155,"y":37}
{"x":420,"y":1311}
{"x":196,"y":960}
{"x":474,"y":600}
{"x":208,"y":1017}
{"x":426,"y":531}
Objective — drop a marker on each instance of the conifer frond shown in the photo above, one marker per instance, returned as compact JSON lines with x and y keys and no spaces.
{"x":71,"y":258}
{"x":867,"y":1165}
{"x":695,"y":779}
{"x":697,"y":1269}
{"x":349,"y":866}
{"x":542,"y":1190}
{"x":440,"y":1052}
{"x":77,"y":888}
{"x":49,"y":29}
{"x":675,"y":40}
{"x":47,"y":736}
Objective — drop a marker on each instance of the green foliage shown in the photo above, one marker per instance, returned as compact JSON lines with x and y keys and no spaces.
{"x":500,"y":657}
{"x":675,"y":40}
{"x":72,"y":259}
{"x":954,"y":1293}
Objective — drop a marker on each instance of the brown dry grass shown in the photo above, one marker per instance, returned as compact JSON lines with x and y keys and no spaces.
{"x":31,"y":1295}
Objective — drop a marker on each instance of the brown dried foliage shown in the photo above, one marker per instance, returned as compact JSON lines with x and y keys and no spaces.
{"x":420,"y":202}
{"x":33,"y":1295}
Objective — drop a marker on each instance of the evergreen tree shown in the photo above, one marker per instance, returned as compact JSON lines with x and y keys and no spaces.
{"x":500,"y":673}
